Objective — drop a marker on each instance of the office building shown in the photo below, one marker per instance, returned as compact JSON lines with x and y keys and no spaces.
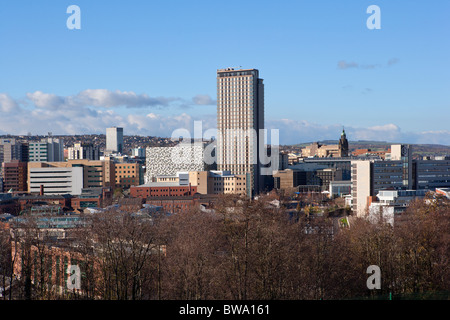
{"x":128,"y":174}
{"x":138,"y":152}
{"x":10,"y":149}
{"x":114,"y":140}
{"x":430,"y":174}
{"x":339,"y":188}
{"x":55,"y":180}
{"x":94,"y":173}
{"x":402,"y":173}
{"x":14,"y":176}
{"x":47,"y":150}
{"x":82,"y":151}
{"x":219,"y":182}
{"x":240,"y":117}
{"x":343,"y":164}
{"x":166,"y":161}
{"x":361,"y":185}
{"x":38,"y":152}
{"x":403,"y":153}
{"x":311,"y":175}
{"x":289,"y":178}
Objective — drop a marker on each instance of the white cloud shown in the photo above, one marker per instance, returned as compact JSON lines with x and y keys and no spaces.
{"x":7,"y":104}
{"x":67,"y":115}
{"x":203,"y":99}
{"x":387,"y":132}
{"x":434,"y":137}
{"x":300,"y":131}
{"x":103,"y":98}
{"x":46,"y":100}
{"x":108,"y":99}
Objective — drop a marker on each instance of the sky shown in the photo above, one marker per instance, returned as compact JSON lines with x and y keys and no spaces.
{"x":150,"y":66}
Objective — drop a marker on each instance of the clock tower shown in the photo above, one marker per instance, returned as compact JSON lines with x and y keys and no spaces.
{"x":343,"y":145}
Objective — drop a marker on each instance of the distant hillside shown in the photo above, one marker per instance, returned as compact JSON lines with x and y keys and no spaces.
{"x":418,"y":149}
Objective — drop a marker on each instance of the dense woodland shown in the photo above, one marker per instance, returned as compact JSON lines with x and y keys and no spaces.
{"x":243,"y":250}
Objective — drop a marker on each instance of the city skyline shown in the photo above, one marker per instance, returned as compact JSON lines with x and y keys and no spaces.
{"x":150,"y":68}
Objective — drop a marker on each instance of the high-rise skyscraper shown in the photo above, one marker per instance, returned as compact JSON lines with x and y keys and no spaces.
{"x":114,"y":139}
{"x":240,"y":117}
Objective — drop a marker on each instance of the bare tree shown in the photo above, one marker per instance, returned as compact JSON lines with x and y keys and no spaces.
{"x":125,"y":250}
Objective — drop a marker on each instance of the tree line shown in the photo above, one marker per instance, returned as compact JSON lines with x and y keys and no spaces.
{"x":243,"y":250}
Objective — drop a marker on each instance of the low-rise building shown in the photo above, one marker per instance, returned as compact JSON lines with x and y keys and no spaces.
{"x":312,"y":175}
{"x":26,"y":203}
{"x":8,"y":204}
{"x":339,"y":188}
{"x":90,"y":198}
{"x":162,"y":189}
{"x":389,"y":203}
{"x":176,"y":204}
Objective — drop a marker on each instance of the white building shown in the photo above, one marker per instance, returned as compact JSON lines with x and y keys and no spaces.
{"x":166,"y":161}
{"x":114,"y":140}
{"x":83,"y":151}
{"x":56,"y":181}
{"x":138,"y":152}
{"x":361,"y":185}
{"x":391,"y":202}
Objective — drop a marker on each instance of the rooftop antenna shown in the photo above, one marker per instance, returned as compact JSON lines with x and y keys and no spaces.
{"x":232,"y":68}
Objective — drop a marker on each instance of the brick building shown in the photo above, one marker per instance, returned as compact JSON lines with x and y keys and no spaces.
{"x":177,"y":204}
{"x":128,"y":174}
{"x":162,"y":189}
{"x":14,"y":176}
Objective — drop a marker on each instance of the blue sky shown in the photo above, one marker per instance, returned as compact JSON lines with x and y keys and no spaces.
{"x":150,"y":66}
